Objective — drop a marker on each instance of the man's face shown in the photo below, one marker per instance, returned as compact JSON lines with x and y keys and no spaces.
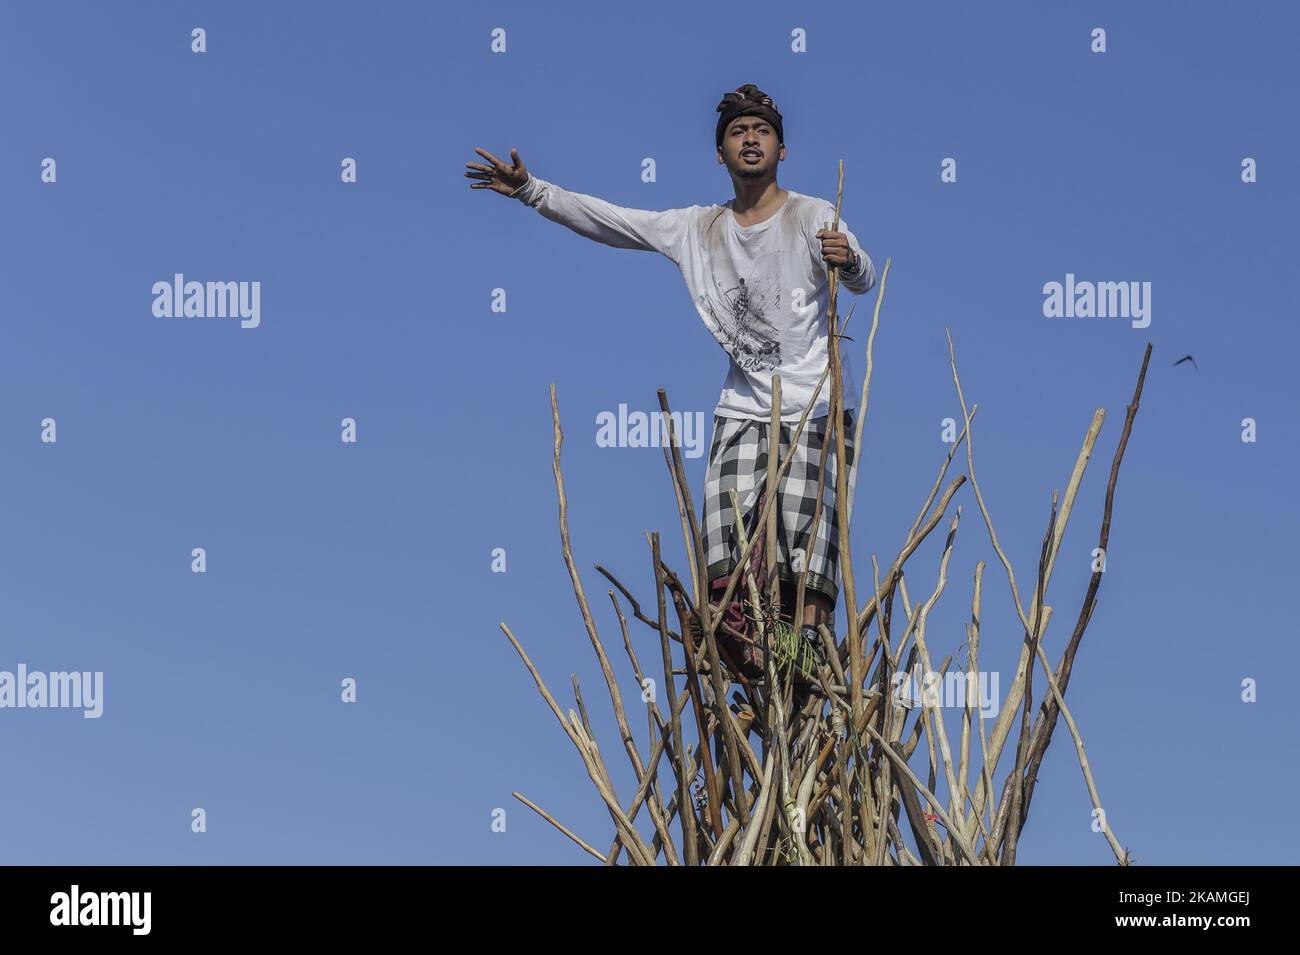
{"x":750,"y":149}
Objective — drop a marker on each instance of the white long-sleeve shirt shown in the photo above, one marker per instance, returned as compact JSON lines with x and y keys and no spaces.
{"x":761,"y":290}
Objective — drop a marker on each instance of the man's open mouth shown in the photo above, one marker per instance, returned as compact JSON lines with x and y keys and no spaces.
{"x":751,"y":154}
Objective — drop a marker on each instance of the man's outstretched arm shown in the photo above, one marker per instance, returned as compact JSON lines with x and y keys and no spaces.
{"x":594,"y":218}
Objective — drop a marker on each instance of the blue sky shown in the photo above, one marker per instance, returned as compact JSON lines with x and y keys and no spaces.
{"x":373,"y":560}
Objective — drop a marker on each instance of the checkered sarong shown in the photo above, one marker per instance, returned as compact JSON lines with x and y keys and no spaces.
{"x":738,"y":460}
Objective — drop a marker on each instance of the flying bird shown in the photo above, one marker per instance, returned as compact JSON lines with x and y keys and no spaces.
{"x":1187,"y":358}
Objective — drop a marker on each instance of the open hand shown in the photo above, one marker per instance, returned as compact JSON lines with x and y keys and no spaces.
{"x":500,"y":177}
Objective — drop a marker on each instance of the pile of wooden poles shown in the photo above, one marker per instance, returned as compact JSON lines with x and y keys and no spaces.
{"x":820,"y":772}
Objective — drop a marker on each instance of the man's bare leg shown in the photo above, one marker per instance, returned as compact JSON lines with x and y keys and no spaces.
{"x":817,"y":608}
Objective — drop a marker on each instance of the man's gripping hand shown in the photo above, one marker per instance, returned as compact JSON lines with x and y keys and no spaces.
{"x":500,"y":177}
{"x":836,"y":251}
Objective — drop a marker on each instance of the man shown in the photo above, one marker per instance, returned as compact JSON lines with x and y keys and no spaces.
{"x":757,"y":268}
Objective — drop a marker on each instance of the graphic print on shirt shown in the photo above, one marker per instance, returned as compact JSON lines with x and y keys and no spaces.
{"x":743,"y":310}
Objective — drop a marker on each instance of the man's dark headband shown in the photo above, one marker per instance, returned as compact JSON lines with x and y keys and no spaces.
{"x":748,"y":103}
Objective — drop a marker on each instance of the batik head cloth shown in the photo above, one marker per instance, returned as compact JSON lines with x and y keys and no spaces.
{"x":749,"y":100}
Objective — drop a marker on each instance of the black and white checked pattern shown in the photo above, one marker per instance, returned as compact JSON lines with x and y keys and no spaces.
{"x":738,"y":460}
